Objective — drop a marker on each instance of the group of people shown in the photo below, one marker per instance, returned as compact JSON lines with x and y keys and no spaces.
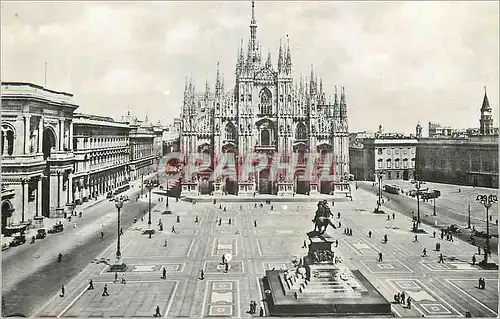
{"x":253,"y":309}
{"x":399,"y":298}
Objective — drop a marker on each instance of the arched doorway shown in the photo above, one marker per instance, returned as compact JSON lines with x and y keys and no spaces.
{"x":265,"y":184}
{"x":205,"y":187}
{"x":49,"y":142}
{"x":302,"y":183}
{"x":7,"y":210}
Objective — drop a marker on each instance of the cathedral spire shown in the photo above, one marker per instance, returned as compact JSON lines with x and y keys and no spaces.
{"x":486,"y":103}
{"x":336,"y":108}
{"x":343,"y":105}
{"x":253,"y":30}
{"x":288,"y":57}
{"x":269,"y":65}
{"x":217,"y":81}
{"x":280,"y":58}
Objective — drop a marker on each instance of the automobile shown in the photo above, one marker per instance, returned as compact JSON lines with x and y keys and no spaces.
{"x":109,"y":195}
{"x":41,"y":233}
{"x":125,"y":198}
{"x":56,"y":229}
{"x":454,"y":229}
{"x":18,"y":240}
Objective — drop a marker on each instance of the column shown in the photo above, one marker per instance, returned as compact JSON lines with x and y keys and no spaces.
{"x":38,"y":208}
{"x":59,"y":189}
{"x":70,"y":188}
{"x":70,"y":136}
{"x":27,"y":119}
{"x":40,"y":135}
{"x":61,"y":135}
{"x":24,"y":184}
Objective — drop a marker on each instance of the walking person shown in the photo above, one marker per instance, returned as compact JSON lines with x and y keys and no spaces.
{"x":229,"y":221}
{"x":304,"y":245}
{"x":408,"y":303}
{"x":165,"y":243}
{"x":380,"y":256}
{"x":441,"y":259}
{"x":202,"y":275}
{"x":157,"y":312}
{"x":370,"y":234}
{"x":91,"y":285}
{"x":385,"y":239}
{"x":255,"y":223}
{"x":105,"y":291}
{"x":415,"y":239}
{"x":393,"y":216}
{"x":434,"y":234}
{"x":403,"y":297}
{"x":223,"y":259}
{"x":336,"y":243}
{"x":340,"y":224}
{"x":226,"y":268}
{"x":164,"y":273}
{"x":123,"y":279}
{"x":473,"y":260}
{"x":102,"y":234}
{"x":116,"y":278}
{"x":424,"y":253}
{"x":173,"y":229}
{"x":261,"y":312}
{"x":62,"y":291}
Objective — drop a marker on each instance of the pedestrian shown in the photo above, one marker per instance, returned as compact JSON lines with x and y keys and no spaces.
{"x":272,"y":207}
{"x":424,"y":253}
{"x":105,"y":291}
{"x":451,"y":237}
{"x":408,"y":303}
{"x":165,"y":243}
{"x":91,"y":285}
{"x":304,"y":245}
{"x":336,"y":243}
{"x":226,"y":267}
{"x":479,"y":250}
{"x":380,"y":256}
{"x":350,"y":231}
{"x":403,"y":297}
{"x":62,"y":291}
{"x":340,"y":224}
{"x":164,"y":273}
{"x":121,"y":231}
{"x":123,"y":279}
{"x":415,"y":239}
{"x":102,"y":234}
{"x":255,"y":223}
{"x":224,"y":208}
{"x":393,"y":216}
{"x":385,"y":239}
{"x":398,"y":297}
{"x":473,"y":260}
{"x":157,"y":313}
{"x":338,"y":215}
{"x":223,"y":259}
{"x":220,"y":206}
{"x":388,"y":217}
{"x":441,"y":259}
{"x":196,"y":219}
{"x":74,"y":224}
{"x":251,"y":308}
{"x":80,"y":214}
{"x":229,"y":222}
{"x":220,"y":221}
{"x":173,"y":229}
{"x":261,"y":312}
{"x":116,"y":277}
{"x":370,"y":234}
{"x":202,"y":275}
{"x":178,"y":219}
{"x":434,"y":234}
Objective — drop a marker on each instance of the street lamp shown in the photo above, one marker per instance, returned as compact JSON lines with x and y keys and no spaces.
{"x":149,"y":186}
{"x":118,"y":266}
{"x":379,"y":176}
{"x":434,"y":212}
{"x":468,"y":219}
{"x":487,"y":201}
{"x":418,"y":185}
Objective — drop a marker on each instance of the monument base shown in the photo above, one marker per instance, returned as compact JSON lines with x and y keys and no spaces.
{"x":488,"y":266}
{"x":118,"y":267}
{"x":281,"y":304}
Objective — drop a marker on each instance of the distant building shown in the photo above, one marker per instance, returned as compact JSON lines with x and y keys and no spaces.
{"x":469,"y":158}
{"x":392,"y":154}
{"x":171,"y":137}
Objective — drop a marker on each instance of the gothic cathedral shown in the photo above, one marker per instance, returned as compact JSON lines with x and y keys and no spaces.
{"x":266,"y":112}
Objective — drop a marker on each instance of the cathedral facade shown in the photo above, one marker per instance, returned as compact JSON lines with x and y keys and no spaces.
{"x":266,"y":112}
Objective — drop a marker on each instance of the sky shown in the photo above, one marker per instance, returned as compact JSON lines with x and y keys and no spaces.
{"x":400,"y":62}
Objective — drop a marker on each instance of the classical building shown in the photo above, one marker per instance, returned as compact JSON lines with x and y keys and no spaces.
{"x":465,"y":160}
{"x":391,"y":154}
{"x":171,"y":135}
{"x":102,"y":153}
{"x":54,"y":159}
{"x":37,"y":153}
{"x":265,"y":111}
{"x":143,"y":156}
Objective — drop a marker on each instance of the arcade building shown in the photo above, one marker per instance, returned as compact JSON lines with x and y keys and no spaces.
{"x":267,"y":111}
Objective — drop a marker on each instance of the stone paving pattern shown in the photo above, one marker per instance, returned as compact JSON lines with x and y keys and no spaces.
{"x":437,"y":290}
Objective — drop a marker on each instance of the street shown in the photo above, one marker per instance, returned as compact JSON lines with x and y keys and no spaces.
{"x":30,"y":272}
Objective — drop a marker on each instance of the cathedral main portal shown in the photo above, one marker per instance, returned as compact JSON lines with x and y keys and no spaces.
{"x":265,"y":182}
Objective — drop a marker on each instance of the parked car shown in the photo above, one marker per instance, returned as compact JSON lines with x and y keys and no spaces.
{"x":41,"y":233}
{"x":18,"y":240}
{"x":109,"y":195}
{"x":56,"y":229}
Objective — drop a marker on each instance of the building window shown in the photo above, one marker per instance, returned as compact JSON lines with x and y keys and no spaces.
{"x":397,"y":175}
{"x":301,"y":132}
{"x":265,"y":138}
{"x":443,"y":164}
{"x":250,"y":97}
{"x":281,"y":98}
{"x":405,"y":151}
{"x":388,"y":163}
{"x":453,"y":166}
{"x":380,"y":163}
{"x":230,"y":132}
{"x":379,"y":151}
{"x":289,"y":98}
{"x":475,"y":166}
{"x":265,"y":101}
{"x":412,"y":162}
{"x":396,"y":151}
{"x":242,"y":98}
{"x":405,"y":163}
{"x":396,"y":163}
{"x":388,"y":151}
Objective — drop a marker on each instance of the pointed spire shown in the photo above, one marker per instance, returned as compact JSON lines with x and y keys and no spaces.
{"x":486,"y":103}
{"x":185,"y":84}
{"x":280,"y":58}
{"x":269,"y":65}
{"x":321,"y":85}
{"x":343,"y":105}
{"x":217,"y":81}
{"x":253,"y":21}
{"x":222,"y":84}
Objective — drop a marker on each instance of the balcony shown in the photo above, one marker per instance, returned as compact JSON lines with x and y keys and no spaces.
{"x":22,"y":159}
{"x":61,"y":155}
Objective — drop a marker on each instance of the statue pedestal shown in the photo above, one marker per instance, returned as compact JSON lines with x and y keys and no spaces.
{"x":319,"y":242}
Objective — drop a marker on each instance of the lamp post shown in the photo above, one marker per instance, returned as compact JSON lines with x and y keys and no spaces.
{"x":142,"y":184}
{"x":487,"y":201}
{"x":418,"y":184}
{"x":434,"y":208}
{"x":149,"y":185}
{"x":118,"y":266}
{"x":379,"y":176}
{"x":468,"y":219}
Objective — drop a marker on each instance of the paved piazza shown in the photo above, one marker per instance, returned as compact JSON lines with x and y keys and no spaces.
{"x":445,"y":290}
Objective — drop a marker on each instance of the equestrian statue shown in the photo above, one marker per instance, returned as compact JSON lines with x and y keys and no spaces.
{"x":322,"y":218}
